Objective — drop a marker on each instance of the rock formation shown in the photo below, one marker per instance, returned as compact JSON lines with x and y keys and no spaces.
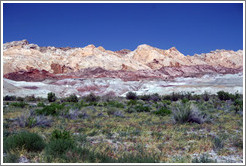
{"x":24,"y":61}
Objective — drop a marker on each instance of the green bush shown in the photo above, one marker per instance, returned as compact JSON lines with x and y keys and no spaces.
{"x":163,"y":111}
{"x":31,"y":121}
{"x":145,"y":97}
{"x":166,"y":102}
{"x":132,"y":102}
{"x":175,"y":96}
{"x":26,"y":140}
{"x":142,"y":108}
{"x":185,"y":100}
{"x":51,"y":97}
{"x":20,"y":99}
{"x":131,"y":96}
{"x":30,"y":98}
{"x":238,"y":105}
{"x":183,"y":113}
{"x":58,"y":134}
{"x":218,"y":143}
{"x":72,"y":98}
{"x":41,"y":104}
{"x":19,"y":104}
{"x":91,"y":98}
{"x":58,"y":147}
{"x":223,"y":95}
{"x":111,"y":110}
{"x":9,"y":98}
{"x":52,"y":109}
{"x":116,"y":104}
{"x":205,"y":96}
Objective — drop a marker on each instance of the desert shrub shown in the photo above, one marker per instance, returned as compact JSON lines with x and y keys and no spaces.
{"x":166,"y":102}
{"x":132,"y":102}
{"x":205,"y":96}
{"x":218,"y":143}
{"x":155,"y":97}
{"x":223,"y":95}
{"x":185,"y":100}
{"x":41,"y":104}
{"x":203,"y":159}
{"x":187,"y":95}
{"x":31,"y":120}
{"x":58,"y":147}
{"x":145,"y":97}
{"x":26,"y":140}
{"x":19,"y":104}
{"x":20,"y":99}
{"x":9,"y":98}
{"x":130,"y":110}
{"x":173,"y":97}
{"x":30,"y":98}
{"x":52,"y":109}
{"x":90,"y":156}
{"x":58,"y":134}
{"x":111,"y":110}
{"x":131,"y":96}
{"x":72,"y":113}
{"x":51,"y":97}
{"x":11,"y":158}
{"x":237,"y":142}
{"x":114,"y":103}
{"x":142,"y":108}
{"x":183,"y":113}
{"x":72,"y":98}
{"x":238,"y":104}
{"x":163,"y":111}
{"x":91,"y":98}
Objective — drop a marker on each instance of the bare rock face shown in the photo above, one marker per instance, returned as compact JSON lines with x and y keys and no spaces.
{"x":59,"y":69}
{"x":123,"y":52}
{"x":15,"y":44}
{"x":31,"y":75}
{"x":29,"y":61}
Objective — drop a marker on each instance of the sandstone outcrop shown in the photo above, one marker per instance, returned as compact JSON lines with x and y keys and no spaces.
{"x":25,"y":61}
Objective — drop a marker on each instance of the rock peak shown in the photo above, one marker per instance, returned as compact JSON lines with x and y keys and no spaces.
{"x":15,"y":43}
{"x":101,"y":48}
{"x":173,"y":49}
{"x":91,"y":46}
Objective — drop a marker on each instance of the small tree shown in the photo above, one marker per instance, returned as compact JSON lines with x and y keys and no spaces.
{"x":51,"y":97}
{"x":72,"y":98}
{"x":92,"y":98}
{"x":131,"y":96}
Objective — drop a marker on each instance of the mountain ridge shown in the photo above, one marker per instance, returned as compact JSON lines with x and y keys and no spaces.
{"x":23,"y":56}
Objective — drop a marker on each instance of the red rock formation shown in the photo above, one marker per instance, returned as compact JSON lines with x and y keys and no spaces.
{"x":123,"y":52}
{"x":58,"y":69}
{"x":163,"y":73}
{"x":32,"y":75}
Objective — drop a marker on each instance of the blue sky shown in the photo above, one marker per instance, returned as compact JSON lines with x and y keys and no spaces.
{"x":191,"y":28}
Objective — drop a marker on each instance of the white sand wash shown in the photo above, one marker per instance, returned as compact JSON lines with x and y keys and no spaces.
{"x":100,"y":86}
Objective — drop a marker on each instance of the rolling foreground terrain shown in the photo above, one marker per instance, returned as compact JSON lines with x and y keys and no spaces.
{"x":91,"y":105}
{"x":32,"y":70}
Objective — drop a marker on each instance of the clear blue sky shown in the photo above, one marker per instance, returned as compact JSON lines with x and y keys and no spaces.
{"x":191,"y":28}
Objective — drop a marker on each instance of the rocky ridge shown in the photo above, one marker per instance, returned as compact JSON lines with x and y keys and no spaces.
{"x":32,"y":70}
{"x":25,"y":57}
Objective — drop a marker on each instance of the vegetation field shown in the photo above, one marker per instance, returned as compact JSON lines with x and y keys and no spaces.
{"x":176,"y":128}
